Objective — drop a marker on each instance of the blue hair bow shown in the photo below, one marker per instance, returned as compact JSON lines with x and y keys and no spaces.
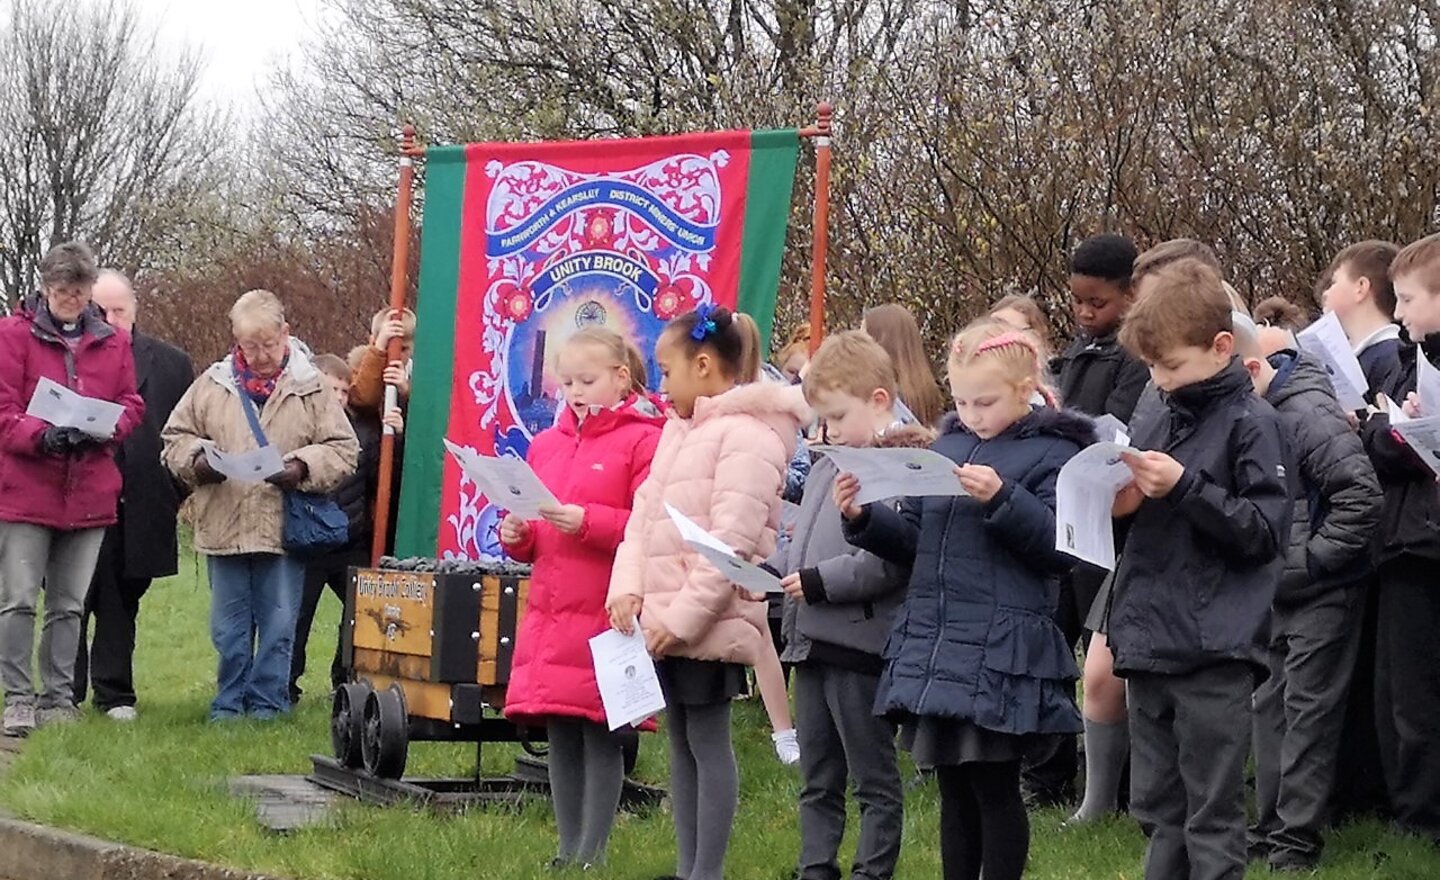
{"x":704,"y":324}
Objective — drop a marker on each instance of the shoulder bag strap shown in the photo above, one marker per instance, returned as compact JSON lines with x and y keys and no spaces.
{"x":250,"y":415}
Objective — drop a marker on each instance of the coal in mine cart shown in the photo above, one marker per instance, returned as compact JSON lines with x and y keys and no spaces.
{"x":427,"y":647}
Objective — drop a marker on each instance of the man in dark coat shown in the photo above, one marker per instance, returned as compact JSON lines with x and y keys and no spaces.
{"x":142,"y":545}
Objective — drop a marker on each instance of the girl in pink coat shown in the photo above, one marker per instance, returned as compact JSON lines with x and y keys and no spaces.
{"x":721,"y":462}
{"x":593,"y":460}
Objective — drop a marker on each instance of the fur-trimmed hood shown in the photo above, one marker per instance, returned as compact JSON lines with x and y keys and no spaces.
{"x":782,"y":407}
{"x":1063,"y":423}
{"x":906,"y":436}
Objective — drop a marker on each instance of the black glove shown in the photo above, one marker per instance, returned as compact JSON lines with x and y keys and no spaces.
{"x":205,"y":475}
{"x":294,"y":474}
{"x":55,"y":441}
{"x":80,"y":441}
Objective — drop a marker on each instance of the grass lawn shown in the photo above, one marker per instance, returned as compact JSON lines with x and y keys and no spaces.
{"x":160,"y":783}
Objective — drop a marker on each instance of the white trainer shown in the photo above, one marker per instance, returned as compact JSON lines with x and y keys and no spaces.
{"x":121,"y":713}
{"x":787,"y":746}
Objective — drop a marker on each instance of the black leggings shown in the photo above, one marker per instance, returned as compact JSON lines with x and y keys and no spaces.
{"x":982,"y":821}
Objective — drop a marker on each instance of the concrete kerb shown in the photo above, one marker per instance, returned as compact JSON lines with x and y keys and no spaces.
{"x":36,"y":852}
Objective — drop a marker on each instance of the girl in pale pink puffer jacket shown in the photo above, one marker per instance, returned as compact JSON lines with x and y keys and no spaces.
{"x":721,"y":462}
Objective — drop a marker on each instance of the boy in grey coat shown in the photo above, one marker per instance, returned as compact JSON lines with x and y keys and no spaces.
{"x":840,"y":606}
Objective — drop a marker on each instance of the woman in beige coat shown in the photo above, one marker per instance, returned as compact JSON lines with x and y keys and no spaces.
{"x":255,"y":587}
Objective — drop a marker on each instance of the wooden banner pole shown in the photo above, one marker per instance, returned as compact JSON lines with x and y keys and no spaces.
{"x":399,"y":271}
{"x":824,"y":115}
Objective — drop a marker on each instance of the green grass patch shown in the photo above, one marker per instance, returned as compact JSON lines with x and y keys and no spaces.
{"x":161,"y":783}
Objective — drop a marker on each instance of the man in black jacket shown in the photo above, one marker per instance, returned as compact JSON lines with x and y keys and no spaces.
{"x":1189,"y":623}
{"x":1315,"y":632}
{"x":142,"y":545}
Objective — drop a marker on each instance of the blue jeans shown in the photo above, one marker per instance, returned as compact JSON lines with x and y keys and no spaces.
{"x":254,"y":601}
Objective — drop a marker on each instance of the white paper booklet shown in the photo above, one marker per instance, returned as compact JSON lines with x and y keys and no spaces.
{"x":508,"y":482}
{"x":1423,"y":436}
{"x":251,"y":466}
{"x":895,"y":473}
{"x":748,"y":575}
{"x":1427,"y":385}
{"x":63,"y":408}
{"x":629,"y":688}
{"x":1084,"y":496}
{"x":1326,"y":340}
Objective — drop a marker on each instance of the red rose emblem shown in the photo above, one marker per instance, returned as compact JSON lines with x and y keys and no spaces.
{"x":518,"y":304}
{"x":669,"y":301}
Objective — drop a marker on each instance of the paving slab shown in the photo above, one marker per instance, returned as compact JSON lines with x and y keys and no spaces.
{"x":285,"y":803}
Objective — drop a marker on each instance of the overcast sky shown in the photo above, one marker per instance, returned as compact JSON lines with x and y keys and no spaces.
{"x":240,"y":40}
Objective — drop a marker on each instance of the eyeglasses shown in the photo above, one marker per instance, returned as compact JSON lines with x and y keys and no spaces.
{"x":251,"y":349}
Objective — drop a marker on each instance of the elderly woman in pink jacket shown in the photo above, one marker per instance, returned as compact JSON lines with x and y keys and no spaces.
{"x":721,"y":462}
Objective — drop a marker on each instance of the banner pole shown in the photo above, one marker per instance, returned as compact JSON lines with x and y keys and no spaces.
{"x":824,"y":114}
{"x":399,"y":270}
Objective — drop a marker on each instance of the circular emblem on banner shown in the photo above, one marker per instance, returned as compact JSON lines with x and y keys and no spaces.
{"x":589,"y":314}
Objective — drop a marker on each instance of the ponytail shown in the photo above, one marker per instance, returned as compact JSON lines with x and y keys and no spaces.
{"x":749,"y":348}
{"x":639,"y":377}
{"x":733,"y":337}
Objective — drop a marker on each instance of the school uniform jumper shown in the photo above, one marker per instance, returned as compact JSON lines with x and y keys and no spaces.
{"x":1189,"y":621}
{"x":1407,"y":689}
{"x":1300,"y":708}
{"x":835,"y":637}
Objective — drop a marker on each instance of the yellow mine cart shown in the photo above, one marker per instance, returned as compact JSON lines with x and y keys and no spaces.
{"x":429,"y":657}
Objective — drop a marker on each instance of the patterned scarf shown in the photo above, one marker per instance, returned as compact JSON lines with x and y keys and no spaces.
{"x":259,"y":389}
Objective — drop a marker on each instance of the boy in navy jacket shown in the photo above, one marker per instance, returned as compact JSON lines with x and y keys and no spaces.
{"x":1189,"y":623}
{"x":1407,"y":688}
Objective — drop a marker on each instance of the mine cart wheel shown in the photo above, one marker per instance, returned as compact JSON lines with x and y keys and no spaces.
{"x":347,"y":723}
{"x":387,"y":735}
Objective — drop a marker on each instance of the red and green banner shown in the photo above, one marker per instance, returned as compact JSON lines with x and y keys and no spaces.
{"x":523,"y":244}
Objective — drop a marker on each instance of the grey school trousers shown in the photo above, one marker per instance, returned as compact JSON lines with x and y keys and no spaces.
{"x":1299,"y":716}
{"x":842,"y":740}
{"x":1189,"y":738}
{"x":63,"y":561}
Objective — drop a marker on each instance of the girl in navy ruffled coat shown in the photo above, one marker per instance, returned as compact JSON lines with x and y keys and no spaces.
{"x":975,"y":665}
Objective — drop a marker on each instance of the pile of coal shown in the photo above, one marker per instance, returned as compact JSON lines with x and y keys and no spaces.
{"x":454,"y":566}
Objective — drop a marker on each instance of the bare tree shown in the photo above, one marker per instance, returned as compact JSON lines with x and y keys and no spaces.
{"x":101,"y":138}
{"x":977,"y":143}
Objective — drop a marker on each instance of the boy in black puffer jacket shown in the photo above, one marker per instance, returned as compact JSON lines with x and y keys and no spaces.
{"x":1407,"y":688}
{"x":356,"y":496}
{"x":1315,"y":630}
{"x":1189,"y":621}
